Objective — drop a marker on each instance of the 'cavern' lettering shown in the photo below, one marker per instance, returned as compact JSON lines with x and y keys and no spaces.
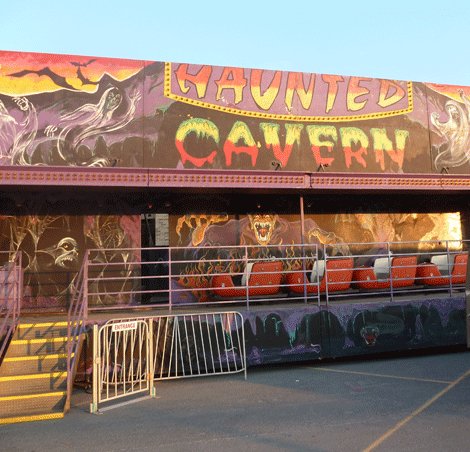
{"x":328,"y":144}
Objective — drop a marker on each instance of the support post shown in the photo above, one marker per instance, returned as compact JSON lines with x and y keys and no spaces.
{"x":96,"y":366}
{"x":467,"y":298}
{"x":151,"y":371}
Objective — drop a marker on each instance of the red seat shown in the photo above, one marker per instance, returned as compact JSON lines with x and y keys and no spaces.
{"x":264,"y":279}
{"x":339,"y":275}
{"x":430,"y":274}
{"x":402,"y":274}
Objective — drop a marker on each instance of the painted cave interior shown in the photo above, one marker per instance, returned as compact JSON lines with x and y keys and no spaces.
{"x":35,"y":222}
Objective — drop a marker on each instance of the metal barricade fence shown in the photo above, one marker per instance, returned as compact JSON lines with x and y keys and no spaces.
{"x":193,"y":345}
{"x":129,"y":354}
{"x":122,"y":364}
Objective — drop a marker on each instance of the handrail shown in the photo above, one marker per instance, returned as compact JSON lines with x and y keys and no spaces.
{"x":48,"y":284}
{"x":76,"y":317}
{"x":10,"y":301}
{"x":178,"y":276}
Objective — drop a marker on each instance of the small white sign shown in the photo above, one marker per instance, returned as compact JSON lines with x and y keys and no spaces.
{"x":124,"y":326}
{"x":162,"y":229}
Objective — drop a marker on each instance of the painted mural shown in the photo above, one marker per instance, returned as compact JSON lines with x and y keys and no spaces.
{"x":98,"y":112}
{"x":324,"y":229}
{"x":451,"y":141}
{"x":283,"y":335}
{"x":215,"y":243}
{"x":280,"y":335}
{"x":53,"y":248}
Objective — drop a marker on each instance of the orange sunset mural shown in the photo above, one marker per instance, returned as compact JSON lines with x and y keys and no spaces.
{"x":48,"y":73}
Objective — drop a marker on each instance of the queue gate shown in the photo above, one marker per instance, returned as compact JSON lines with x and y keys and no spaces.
{"x":128,"y":357}
{"x":467,"y":301}
{"x":122,"y":364}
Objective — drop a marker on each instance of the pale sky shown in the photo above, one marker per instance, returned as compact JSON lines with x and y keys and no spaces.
{"x":426,"y":41}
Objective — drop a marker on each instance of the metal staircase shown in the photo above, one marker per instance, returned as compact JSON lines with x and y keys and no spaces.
{"x":33,"y":374}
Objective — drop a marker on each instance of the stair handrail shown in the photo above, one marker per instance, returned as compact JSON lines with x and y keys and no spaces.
{"x":10,"y":304}
{"x":76,"y":316}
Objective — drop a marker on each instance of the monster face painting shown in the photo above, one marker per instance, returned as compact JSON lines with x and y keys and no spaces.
{"x":263,"y":227}
{"x":53,"y":248}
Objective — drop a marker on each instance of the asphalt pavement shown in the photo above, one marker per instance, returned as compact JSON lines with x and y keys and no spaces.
{"x":412,"y":403}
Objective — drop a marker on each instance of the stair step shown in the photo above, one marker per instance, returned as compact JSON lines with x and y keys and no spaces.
{"x":22,"y":365}
{"x":33,"y":376}
{"x":32,"y":383}
{"x":40,"y":330}
{"x":32,"y":404}
{"x":31,"y":418}
{"x":22,"y":347}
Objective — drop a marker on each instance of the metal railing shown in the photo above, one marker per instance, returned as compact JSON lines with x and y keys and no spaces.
{"x":48,"y":290}
{"x":195,"y":345}
{"x":11,"y":288}
{"x":129,"y":354}
{"x":76,"y":317}
{"x":122,"y":361}
{"x":185,"y":276}
{"x":391,"y":269}
{"x":182,"y":277}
